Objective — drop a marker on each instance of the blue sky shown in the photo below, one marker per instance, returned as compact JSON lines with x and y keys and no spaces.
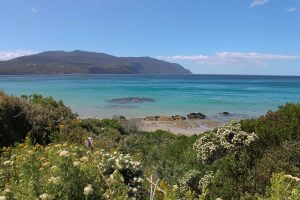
{"x":205,"y":36}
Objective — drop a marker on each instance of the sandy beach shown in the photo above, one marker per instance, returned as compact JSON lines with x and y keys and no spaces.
{"x":180,"y":127}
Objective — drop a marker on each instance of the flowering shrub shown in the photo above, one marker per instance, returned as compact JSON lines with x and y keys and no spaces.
{"x":284,"y":187}
{"x":228,"y":138}
{"x":195,"y":182}
{"x":66,"y":171}
{"x":190,"y":181}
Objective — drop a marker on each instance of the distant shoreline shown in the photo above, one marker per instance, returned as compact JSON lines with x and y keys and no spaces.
{"x":250,"y":75}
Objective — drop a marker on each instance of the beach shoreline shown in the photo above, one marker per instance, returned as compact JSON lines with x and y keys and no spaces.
{"x":181,"y":127}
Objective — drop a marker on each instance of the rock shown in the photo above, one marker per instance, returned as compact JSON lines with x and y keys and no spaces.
{"x":196,"y":116}
{"x":166,"y":118}
{"x":130,"y":100}
{"x":225,"y":113}
{"x":151,"y":118}
{"x":178,"y":117}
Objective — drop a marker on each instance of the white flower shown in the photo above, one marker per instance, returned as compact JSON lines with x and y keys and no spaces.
{"x":175,"y":187}
{"x":45,"y":196}
{"x":54,"y":168}
{"x":76,"y":163}
{"x":46,"y":164}
{"x":84,"y":159}
{"x":2,"y":198}
{"x":8,"y":162}
{"x":134,"y":190}
{"x":64,"y":154}
{"x":88,"y":190}
{"x":7,"y":190}
{"x":292,"y":177}
{"x":54,"y":180}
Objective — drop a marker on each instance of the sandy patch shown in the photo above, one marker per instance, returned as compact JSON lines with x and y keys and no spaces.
{"x":181,"y":127}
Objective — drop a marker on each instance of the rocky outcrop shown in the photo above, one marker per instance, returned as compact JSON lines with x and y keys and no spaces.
{"x":151,"y":118}
{"x":165,"y":118}
{"x":128,"y":100}
{"x":196,"y":116}
{"x":225,"y":113}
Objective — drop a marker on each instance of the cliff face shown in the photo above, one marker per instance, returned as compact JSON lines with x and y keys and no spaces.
{"x":82,"y":62}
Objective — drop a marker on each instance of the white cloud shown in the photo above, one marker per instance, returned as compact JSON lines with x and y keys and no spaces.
{"x":292,"y":9}
{"x":7,"y":55}
{"x":235,"y":58}
{"x":34,"y":10}
{"x":258,"y":3}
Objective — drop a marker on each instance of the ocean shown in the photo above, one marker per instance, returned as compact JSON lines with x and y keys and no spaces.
{"x":108,"y":95}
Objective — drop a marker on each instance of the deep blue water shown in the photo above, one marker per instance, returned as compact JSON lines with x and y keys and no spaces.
{"x":247,"y":96}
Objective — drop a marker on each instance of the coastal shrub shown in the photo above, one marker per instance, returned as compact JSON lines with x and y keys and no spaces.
{"x":276,"y":126}
{"x":196,"y":182}
{"x":284,"y":186}
{"x":228,"y":138}
{"x":67,"y":171}
{"x":160,"y":151}
{"x":13,"y":120}
{"x":38,"y":116}
{"x":190,"y":182}
{"x":106,"y":133}
{"x":285,"y":157}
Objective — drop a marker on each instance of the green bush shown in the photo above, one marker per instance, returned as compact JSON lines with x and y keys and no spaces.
{"x":284,"y":187}
{"x":14,"y":125}
{"x":276,"y":126}
{"x":40,"y":117}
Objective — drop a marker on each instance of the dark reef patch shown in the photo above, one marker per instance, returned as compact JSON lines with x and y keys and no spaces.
{"x":129,"y":100}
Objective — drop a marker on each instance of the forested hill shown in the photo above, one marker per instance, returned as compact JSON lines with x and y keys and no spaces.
{"x":82,"y":62}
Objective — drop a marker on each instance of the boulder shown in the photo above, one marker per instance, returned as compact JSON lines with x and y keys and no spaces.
{"x":151,"y":118}
{"x":178,"y":117}
{"x":196,"y":116}
{"x":166,"y":118}
{"x":225,"y":113}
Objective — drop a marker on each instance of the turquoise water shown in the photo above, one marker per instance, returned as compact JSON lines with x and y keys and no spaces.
{"x":246,"y":96}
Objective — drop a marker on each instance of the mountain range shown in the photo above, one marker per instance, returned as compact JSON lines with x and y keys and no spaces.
{"x":83,"y":62}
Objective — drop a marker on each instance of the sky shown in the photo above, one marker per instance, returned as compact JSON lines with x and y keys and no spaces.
{"x":206,"y":36}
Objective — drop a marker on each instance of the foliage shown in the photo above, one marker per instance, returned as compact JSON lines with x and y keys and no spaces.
{"x":160,"y":151}
{"x":228,"y":138}
{"x":284,"y":186}
{"x":230,"y":162}
{"x":38,"y":116}
{"x":13,"y":121}
{"x":276,"y":126}
{"x":67,"y":171}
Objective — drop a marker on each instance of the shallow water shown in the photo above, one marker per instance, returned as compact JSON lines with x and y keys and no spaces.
{"x":89,"y":95}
